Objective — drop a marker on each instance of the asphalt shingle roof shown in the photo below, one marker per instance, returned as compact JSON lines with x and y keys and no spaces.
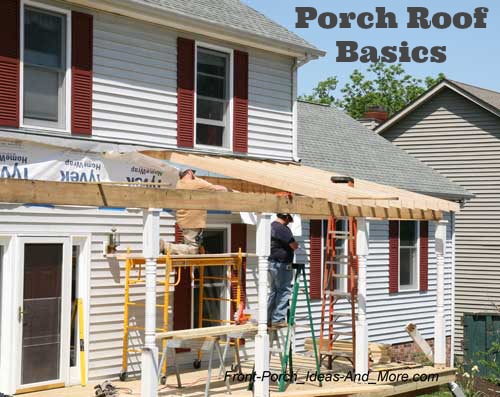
{"x":234,"y":14}
{"x":331,"y":140}
{"x":490,"y":97}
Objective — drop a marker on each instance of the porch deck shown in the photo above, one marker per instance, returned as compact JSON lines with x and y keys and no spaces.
{"x":194,"y":382}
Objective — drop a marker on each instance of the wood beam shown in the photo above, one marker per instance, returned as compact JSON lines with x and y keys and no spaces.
{"x":122,"y":196}
{"x":113,"y":195}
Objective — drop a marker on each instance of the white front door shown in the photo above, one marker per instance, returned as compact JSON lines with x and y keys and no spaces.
{"x":44,"y":311}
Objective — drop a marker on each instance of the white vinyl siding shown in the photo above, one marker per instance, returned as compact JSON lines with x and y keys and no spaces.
{"x":270,"y":116}
{"x":461,"y":140}
{"x":135,"y":82}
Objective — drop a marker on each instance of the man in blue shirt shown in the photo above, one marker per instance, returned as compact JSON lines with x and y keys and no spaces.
{"x":283,"y":246}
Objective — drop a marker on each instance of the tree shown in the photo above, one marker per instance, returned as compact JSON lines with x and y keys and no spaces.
{"x":388,"y":86}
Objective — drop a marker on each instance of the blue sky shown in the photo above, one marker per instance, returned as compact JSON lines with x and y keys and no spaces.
{"x":473,"y":55}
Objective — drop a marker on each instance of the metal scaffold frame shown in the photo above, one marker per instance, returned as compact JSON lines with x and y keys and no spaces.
{"x":134,"y":270}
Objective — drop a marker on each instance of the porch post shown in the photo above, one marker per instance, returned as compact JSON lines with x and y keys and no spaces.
{"x":263,"y":248}
{"x":439,"y":328}
{"x":150,"y":249}
{"x":362,"y":250}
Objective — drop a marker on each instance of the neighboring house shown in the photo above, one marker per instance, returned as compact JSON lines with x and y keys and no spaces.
{"x":401,"y":269}
{"x":100,"y":76}
{"x":455,"y":129}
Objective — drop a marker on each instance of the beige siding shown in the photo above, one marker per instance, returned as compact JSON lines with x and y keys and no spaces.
{"x":462,"y":141}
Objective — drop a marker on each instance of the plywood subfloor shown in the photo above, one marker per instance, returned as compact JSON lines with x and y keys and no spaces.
{"x":194,"y":384}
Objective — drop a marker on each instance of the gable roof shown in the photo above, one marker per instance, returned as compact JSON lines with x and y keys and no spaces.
{"x":487,"y":99}
{"x":233,"y":17}
{"x":331,"y":140}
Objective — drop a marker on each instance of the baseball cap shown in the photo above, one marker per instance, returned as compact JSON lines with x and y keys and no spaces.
{"x":182,"y":173}
{"x":285,"y":217}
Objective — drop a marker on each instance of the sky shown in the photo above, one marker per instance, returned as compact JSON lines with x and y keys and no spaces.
{"x":473,"y":55}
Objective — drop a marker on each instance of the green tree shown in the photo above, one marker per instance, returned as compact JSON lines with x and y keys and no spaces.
{"x":388,"y":86}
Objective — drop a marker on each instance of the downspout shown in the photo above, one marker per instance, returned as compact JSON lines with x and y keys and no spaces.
{"x":296,"y":65}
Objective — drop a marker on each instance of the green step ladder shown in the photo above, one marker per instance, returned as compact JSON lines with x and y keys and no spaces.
{"x":286,"y":360}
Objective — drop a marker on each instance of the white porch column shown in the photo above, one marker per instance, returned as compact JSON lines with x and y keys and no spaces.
{"x":263,"y":248}
{"x":440,"y":326}
{"x":361,"y":323}
{"x":151,"y":249}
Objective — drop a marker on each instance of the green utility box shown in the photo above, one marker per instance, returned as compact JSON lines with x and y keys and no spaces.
{"x":480,"y":331}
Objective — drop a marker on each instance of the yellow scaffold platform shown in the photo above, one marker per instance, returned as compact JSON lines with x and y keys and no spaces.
{"x":173,"y":264}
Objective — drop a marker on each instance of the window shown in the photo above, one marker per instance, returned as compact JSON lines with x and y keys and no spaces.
{"x":212,"y":98}
{"x":45,"y":65}
{"x":341,"y":267}
{"x":408,"y":255}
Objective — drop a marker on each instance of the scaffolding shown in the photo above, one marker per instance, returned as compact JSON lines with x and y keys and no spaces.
{"x":173,"y":265}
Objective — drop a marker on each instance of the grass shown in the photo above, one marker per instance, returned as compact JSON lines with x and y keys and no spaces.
{"x":443,"y":393}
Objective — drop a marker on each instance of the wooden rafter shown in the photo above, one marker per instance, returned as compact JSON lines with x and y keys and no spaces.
{"x":114,"y":195}
{"x":312,"y":182}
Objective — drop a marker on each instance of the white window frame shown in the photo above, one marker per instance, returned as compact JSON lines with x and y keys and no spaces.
{"x":67,"y":103}
{"x":225,"y":307}
{"x":228,"y":132}
{"x":416,"y":276}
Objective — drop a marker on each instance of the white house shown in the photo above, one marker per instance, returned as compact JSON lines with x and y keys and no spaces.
{"x":82,"y":77}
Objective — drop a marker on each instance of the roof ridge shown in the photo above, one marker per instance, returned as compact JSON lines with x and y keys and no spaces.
{"x":315,"y":103}
{"x":473,"y":86}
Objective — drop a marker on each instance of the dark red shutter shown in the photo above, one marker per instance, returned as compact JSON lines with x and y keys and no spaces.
{"x":424,"y":255}
{"x":82,"y":26}
{"x":393,"y":256}
{"x":9,"y":62}
{"x":185,"y":92}
{"x":239,"y":240}
{"x":182,"y":293}
{"x":240,"y":119}
{"x":315,"y":248}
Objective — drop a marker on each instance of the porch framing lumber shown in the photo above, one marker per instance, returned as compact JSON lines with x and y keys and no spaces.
{"x":123,"y":196}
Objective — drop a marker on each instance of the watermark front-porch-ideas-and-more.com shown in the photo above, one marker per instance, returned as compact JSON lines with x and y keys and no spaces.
{"x":313,"y":376}
{"x":418,"y":18}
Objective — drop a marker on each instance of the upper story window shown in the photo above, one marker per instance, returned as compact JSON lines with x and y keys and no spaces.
{"x":45,"y":65}
{"x":408,"y":255}
{"x":212,"y":98}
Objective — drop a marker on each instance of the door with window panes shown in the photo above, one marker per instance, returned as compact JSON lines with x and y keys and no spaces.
{"x":216,"y":291}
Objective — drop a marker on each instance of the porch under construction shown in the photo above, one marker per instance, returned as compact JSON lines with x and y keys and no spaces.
{"x":263,"y":187}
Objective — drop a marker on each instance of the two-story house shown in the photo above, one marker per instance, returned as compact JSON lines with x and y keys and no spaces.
{"x":79,"y":78}
{"x":93,"y":76}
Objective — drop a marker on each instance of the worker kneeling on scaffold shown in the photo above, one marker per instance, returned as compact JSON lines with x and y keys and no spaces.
{"x":191,"y":222}
{"x":283,"y":245}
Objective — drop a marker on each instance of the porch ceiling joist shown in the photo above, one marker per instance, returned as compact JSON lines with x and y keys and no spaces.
{"x":311,"y":182}
{"x":122,"y":196}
